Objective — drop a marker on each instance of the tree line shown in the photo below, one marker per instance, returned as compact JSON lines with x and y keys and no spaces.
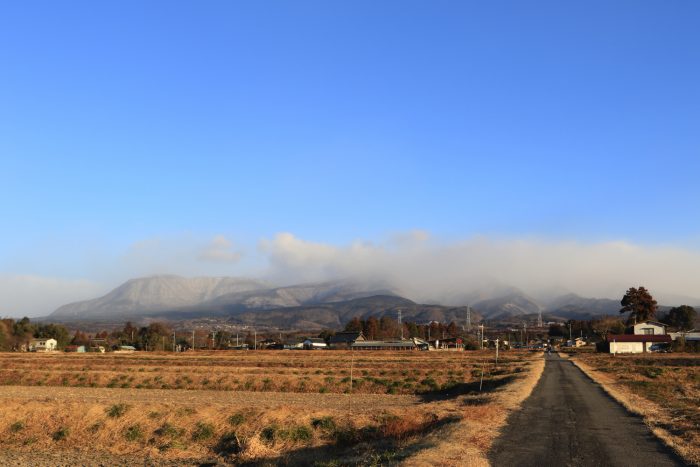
{"x":389,"y":328}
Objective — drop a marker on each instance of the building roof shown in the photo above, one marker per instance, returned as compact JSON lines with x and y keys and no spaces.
{"x":639,"y":338}
{"x":347,"y":337}
{"x":386,"y":344}
{"x":315,"y":340}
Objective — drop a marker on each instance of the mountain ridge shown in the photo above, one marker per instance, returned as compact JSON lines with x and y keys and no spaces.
{"x":323,"y":303}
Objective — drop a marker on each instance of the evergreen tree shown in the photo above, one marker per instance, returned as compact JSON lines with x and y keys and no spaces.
{"x":640,"y":305}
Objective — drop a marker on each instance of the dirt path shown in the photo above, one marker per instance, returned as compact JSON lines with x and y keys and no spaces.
{"x":263,"y":400}
{"x":569,"y":421}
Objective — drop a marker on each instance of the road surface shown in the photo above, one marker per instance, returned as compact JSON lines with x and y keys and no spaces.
{"x":570,"y":421}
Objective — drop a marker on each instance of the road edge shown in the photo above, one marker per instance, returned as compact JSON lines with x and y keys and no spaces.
{"x":459,"y":449}
{"x":639,"y":406}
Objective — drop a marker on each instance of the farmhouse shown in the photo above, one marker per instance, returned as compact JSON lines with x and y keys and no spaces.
{"x":42,"y":345}
{"x":343,"y":340}
{"x":643,"y":336}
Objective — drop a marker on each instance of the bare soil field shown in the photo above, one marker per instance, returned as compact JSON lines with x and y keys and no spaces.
{"x":258,"y":408}
{"x":663,"y":388}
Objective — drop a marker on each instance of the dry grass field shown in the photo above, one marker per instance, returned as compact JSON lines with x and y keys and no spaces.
{"x":263,"y":407}
{"x":663,"y":388}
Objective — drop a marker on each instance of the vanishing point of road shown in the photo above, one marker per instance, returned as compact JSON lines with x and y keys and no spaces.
{"x":568,"y":420}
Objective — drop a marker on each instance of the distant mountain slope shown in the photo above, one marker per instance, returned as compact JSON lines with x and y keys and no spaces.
{"x":335,"y":315}
{"x":576,"y":307}
{"x":324,"y":304}
{"x":292,"y":296}
{"x":513,"y":303}
{"x":157,"y":293}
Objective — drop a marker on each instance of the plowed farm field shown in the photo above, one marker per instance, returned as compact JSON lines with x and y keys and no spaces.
{"x":256,"y":407}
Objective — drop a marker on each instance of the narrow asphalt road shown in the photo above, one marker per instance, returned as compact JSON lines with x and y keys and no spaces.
{"x":570,"y":421}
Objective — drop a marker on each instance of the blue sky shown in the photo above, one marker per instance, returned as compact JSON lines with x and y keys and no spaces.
{"x":125,"y":122}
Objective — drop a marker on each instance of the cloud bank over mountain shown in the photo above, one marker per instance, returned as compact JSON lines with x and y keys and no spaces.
{"x":417,"y":265}
{"x":425,"y":268}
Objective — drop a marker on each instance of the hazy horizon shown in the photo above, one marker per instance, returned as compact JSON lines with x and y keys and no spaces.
{"x":547,"y":146}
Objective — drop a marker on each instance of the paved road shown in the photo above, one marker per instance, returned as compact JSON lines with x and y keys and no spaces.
{"x":570,"y":421}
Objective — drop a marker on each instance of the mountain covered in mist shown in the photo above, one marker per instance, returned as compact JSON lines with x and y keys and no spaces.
{"x":157,"y":293}
{"x":325,"y":304}
{"x":174,"y":295}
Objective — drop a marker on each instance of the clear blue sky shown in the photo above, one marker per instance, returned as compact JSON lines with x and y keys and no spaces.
{"x":121,"y":121}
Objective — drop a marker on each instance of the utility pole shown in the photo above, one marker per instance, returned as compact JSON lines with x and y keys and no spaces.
{"x":481,"y":326}
{"x":525,"y":330}
{"x":469,"y":318}
{"x":236,"y":338}
{"x":193,"y":339}
{"x":352,"y":361}
{"x":173,"y":341}
{"x":497,"y":351}
{"x":571,"y":340}
{"x":539,"y":319}
{"x":213,"y":339}
{"x":255,"y":339}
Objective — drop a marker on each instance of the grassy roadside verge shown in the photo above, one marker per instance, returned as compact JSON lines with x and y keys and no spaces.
{"x":482,"y":418}
{"x":665,"y":395}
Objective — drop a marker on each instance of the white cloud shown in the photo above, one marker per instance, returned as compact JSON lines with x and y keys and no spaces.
{"x":219,"y":250}
{"x":426,"y":269}
{"x":420,"y":266}
{"x":29,"y":295}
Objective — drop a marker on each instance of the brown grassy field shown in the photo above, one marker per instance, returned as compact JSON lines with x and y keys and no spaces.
{"x":663,"y":388}
{"x":279,"y":407}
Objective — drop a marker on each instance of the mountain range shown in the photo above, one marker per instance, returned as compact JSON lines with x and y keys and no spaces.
{"x":315,"y":305}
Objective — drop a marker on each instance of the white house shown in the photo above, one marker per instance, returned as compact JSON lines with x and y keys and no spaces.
{"x":42,"y":345}
{"x":644,"y":336}
{"x":577,"y":342}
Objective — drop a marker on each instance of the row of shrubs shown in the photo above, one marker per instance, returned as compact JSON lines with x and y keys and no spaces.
{"x":232,"y":442}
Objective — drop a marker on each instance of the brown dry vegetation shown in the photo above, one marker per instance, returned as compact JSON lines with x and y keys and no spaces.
{"x":662,"y":388}
{"x":254,"y":407}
